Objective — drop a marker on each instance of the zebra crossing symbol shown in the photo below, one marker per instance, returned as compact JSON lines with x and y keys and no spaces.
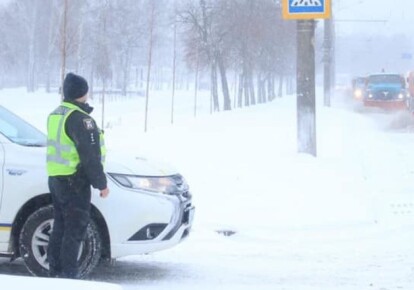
{"x":299,"y":3}
{"x":306,"y":9}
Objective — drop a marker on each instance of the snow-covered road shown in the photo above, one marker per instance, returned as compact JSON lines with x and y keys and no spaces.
{"x":349,"y":257}
{"x":341,"y":221}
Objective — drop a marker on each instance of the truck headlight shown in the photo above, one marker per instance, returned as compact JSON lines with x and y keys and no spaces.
{"x":358,"y":93}
{"x":165,"y":184}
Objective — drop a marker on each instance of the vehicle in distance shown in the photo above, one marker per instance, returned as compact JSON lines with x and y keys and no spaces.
{"x":358,"y":87}
{"x":386,"y":91}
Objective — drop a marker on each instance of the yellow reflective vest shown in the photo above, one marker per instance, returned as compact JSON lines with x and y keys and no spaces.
{"x":62,"y":156}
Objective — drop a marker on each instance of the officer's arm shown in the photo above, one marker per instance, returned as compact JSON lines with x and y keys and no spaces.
{"x":84,"y":133}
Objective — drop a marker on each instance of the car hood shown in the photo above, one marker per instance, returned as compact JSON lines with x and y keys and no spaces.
{"x":385,"y":87}
{"x":34,"y":157}
{"x":136,"y":165}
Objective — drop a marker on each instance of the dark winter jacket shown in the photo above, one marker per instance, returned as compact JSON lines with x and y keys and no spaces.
{"x":84,"y":133}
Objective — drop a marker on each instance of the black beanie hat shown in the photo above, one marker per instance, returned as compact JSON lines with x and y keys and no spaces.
{"x":74,"y":87}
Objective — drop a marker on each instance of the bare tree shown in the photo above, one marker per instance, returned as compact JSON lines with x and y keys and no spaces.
{"x":127,"y":21}
{"x":27,"y":12}
{"x":196,"y":83}
{"x":244,"y":37}
{"x":102,"y":62}
{"x":50,"y":42}
{"x":205,"y":31}
{"x":261,"y":49}
{"x":151,"y":23}
{"x":8,"y":56}
{"x":63,"y":47}
{"x":174,"y":63}
{"x":205,"y":37}
{"x":71,"y":17}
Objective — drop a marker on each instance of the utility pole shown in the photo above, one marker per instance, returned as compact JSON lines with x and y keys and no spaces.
{"x":328,"y":61}
{"x":196,"y":81}
{"x":174,"y":63}
{"x":150,"y":47}
{"x":305,"y":12}
{"x":63,"y":48}
{"x":305,"y":87}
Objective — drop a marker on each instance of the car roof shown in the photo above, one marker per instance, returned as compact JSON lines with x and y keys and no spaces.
{"x":386,"y":74}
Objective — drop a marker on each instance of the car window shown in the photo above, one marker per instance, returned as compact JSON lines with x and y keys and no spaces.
{"x":360,"y":81}
{"x":19,"y":131}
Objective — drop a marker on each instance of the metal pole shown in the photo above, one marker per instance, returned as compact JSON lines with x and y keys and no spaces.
{"x":103,"y":104}
{"x":149,"y":65}
{"x":174,"y":69}
{"x":306,"y":121}
{"x":196,"y":83}
{"x":327,"y":80}
{"x":63,"y":51}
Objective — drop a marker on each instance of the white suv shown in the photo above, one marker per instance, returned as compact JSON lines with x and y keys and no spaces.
{"x":149,"y":207}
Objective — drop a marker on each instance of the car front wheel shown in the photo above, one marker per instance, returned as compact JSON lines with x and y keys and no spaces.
{"x":34,"y":240}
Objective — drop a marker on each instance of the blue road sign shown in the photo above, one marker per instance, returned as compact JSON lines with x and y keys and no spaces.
{"x":306,"y":6}
{"x":306,"y":9}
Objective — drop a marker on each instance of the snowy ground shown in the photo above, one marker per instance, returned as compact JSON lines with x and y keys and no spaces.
{"x":342,"y":220}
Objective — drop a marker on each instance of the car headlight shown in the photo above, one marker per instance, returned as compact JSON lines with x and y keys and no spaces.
{"x":370,"y":95}
{"x":166,"y":184}
{"x":358,"y":93}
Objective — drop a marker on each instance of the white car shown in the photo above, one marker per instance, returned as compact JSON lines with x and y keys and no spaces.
{"x":149,"y":207}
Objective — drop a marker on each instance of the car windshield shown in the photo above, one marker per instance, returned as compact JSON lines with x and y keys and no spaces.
{"x":386,"y":79}
{"x":19,"y":131}
{"x":360,"y":81}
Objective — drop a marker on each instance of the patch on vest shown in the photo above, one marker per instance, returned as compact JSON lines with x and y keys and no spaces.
{"x":88,"y":123}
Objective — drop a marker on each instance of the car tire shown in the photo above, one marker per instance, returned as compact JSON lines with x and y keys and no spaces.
{"x":34,"y":239}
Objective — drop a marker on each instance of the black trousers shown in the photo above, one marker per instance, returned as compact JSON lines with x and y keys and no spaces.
{"x":71,"y":198}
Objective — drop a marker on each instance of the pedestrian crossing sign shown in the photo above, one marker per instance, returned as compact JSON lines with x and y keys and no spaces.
{"x":306,"y":9}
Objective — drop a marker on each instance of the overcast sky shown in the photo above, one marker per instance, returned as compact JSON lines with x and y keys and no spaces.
{"x":353,"y":16}
{"x":398,"y":16}
{"x":360,"y":16}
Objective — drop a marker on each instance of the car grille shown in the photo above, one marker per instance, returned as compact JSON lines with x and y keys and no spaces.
{"x":385,"y":95}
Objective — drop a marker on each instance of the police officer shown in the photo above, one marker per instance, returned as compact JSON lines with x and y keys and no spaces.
{"x":75,"y":156}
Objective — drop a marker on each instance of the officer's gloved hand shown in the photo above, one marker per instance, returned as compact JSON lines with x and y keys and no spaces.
{"x":104,"y":192}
